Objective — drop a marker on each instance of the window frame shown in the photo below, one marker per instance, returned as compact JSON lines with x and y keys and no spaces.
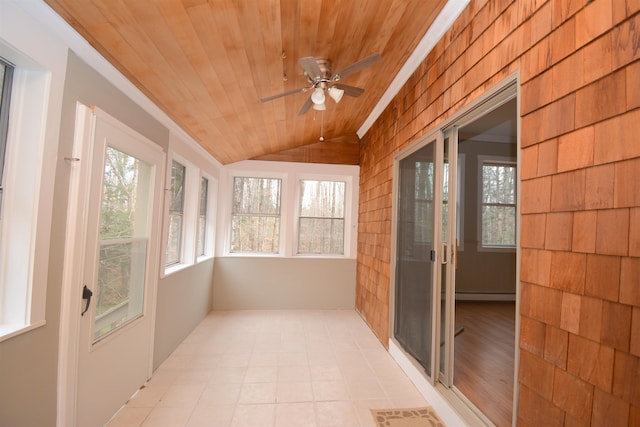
{"x":170,"y":213}
{"x":282,"y":216}
{"x":197,"y":167}
{"x":28,"y":179}
{"x":351,"y":181}
{"x":202,"y":217}
{"x":5,"y":104}
{"x":298,"y":216}
{"x":495,"y":160}
{"x":210,"y":220}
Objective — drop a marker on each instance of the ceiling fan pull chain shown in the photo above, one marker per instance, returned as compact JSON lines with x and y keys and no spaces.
{"x":321,"y":125}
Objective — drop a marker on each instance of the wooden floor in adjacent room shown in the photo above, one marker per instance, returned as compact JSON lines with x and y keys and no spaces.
{"x":484,"y":357}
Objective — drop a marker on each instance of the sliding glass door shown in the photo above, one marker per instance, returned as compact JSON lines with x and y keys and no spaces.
{"x":418,"y":206}
{"x":452,"y":187}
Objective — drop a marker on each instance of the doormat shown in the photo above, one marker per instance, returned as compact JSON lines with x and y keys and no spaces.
{"x":407,"y":417}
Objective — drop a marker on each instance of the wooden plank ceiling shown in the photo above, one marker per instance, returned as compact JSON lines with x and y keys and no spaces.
{"x":208,"y":63}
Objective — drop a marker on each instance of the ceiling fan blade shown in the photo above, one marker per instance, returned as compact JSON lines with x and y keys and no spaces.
{"x":280,"y":95}
{"x":305,"y":107}
{"x":310,"y":66}
{"x":357,"y":66}
{"x":349,"y":90}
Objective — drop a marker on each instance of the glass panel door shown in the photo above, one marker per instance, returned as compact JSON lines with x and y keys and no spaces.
{"x":416,"y":255}
{"x":120,"y":256}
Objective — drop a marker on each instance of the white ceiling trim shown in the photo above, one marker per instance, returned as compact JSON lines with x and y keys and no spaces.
{"x":445,"y":19}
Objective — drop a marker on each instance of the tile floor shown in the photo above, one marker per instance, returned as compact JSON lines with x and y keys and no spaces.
{"x":272,"y":368}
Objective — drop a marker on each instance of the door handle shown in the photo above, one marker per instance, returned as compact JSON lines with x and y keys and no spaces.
{"x":86,"y":294}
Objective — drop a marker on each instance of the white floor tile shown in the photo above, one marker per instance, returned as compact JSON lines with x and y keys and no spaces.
{"x":181,"y":396}
{"x":168,"y":417}
{"x":260,"y":358}
{"x":294,"y":373}
{"x":177,"y":362}
{"x":220,"y":394}
{"x":273,"y":368}
{"x":295,"y":415}
{"x":235,"y":360}
{"x":225,"y":375}
{"x":399,"y":388}
{"x":253,"y":393}
{"x":360,"y":371}
{"x":292,"y":359}
{"x":148,"y":396}
{"x":329,"y":390}
{"x":196,"y":376}
{"x":365,"y":390}
{"x":261,"y":374}
{"x":325,"y":373}
{"x":164,"y":376}
{"x":212,"y":416}
{"x":288,"y":392}
{"x":129,"y":417}
{"x":322,"y":357}
{"x":336,"y":414}
{"x":254,"y":415}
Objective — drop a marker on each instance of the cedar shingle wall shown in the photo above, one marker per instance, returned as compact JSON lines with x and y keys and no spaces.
{"x":580,"y":140}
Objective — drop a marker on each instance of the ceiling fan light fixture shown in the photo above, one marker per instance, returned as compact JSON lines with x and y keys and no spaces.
{"x":335,"y":93}
{"x":317,"y":97}
{"x":320,"y":107}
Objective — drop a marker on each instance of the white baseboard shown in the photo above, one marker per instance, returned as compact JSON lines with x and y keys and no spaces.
{"x":472,"y":296}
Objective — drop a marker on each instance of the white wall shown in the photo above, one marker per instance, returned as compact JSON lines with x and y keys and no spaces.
{"x":184,"y":299}
{"x":283,"y":283}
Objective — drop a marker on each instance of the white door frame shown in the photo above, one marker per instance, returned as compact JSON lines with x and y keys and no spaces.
{"x":80,"y":163}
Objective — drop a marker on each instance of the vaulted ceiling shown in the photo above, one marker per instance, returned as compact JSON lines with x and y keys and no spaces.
{"x":208,"y":63}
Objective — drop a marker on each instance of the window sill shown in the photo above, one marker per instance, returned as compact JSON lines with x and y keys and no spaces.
{"x":10,"y":331}
{"x":321,"y":256}
{"x":296,"y":256}
{"x":203,"y":258}
{"x":168,"y":271}
{"x":251,"y":255}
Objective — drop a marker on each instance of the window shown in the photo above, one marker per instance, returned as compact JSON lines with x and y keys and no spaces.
{"x":498,"y":218}
{"x":6,"y":78}
{"x":189,"y":221}
{"x":123,"y":241}
{"x":321,"y":220}
{"x":202,"y":216}
{"x":288,"y":209}
{"x":27,"y":185}
{"x":176,"y":213}
{"x":255,"y":215}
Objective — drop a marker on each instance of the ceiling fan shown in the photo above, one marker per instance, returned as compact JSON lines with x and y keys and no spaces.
{"x":321,"y":81}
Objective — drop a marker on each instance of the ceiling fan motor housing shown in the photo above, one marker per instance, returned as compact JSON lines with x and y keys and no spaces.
{"x":325,"y":74}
